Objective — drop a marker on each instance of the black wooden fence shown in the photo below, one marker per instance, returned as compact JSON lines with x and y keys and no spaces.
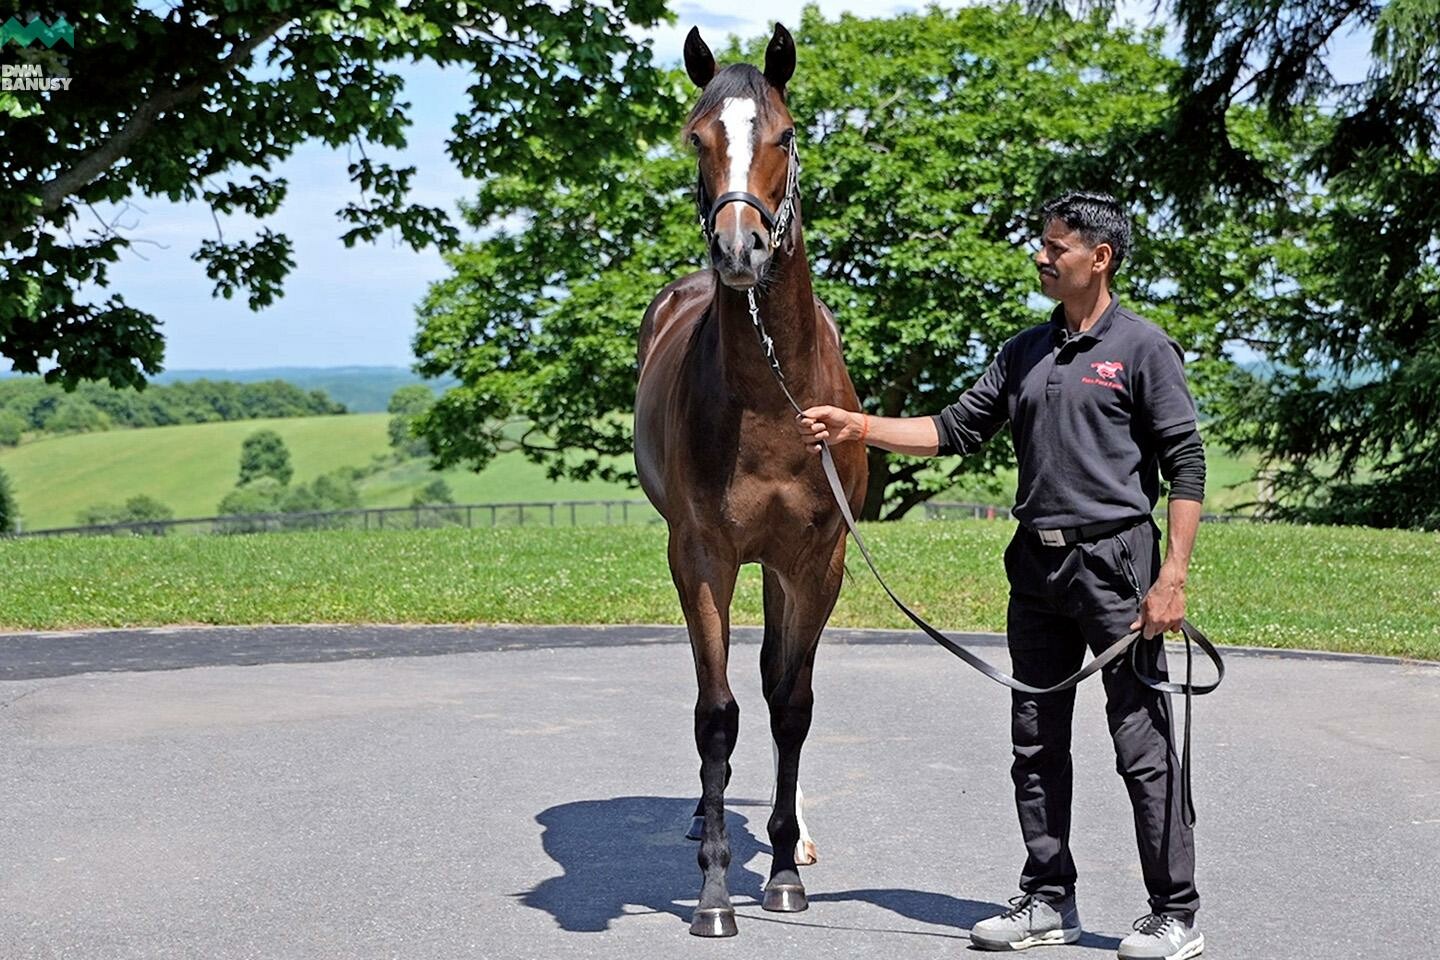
{"x":570,"y":513}
{"x":547,"y":513}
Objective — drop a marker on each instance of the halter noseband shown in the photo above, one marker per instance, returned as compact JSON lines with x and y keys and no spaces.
{"x":776,"y":223}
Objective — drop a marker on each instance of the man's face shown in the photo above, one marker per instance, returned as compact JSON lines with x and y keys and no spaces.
{"x":1067,"y":266}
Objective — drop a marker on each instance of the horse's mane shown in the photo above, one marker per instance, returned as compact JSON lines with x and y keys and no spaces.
{"x":736,"y":80}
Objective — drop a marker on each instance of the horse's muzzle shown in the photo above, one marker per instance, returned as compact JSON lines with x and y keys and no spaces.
{"x":740,"y":257}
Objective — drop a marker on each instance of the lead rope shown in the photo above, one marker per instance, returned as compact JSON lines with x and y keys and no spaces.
{"x":1101,"y":660}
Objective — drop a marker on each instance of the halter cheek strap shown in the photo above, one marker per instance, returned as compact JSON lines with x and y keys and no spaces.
{"x":776,"y":224}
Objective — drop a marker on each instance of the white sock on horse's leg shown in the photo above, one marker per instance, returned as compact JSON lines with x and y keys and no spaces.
{"x":805,"y":854}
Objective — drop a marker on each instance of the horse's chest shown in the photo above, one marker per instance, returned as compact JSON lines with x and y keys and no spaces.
{"x":771,"y":484}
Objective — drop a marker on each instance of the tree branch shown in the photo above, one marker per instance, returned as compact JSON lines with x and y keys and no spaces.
{"x":93,"y":164}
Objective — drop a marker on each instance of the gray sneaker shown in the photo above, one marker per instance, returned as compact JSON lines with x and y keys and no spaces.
{"x":1030,"y":922}
{"x":1158,"y":937}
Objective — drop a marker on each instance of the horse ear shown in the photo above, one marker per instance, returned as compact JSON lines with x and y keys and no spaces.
{"x":699,"y":61}
{"x":780,"y":58}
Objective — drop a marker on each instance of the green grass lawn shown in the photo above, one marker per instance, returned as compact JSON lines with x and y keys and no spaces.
{"x":1330,"y":588}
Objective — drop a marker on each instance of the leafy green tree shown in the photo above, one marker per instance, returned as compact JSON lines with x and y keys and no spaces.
{"x":199,"y":99}
{"x":408,"y":404}
{"x":9,"y":511}
{"x":198,"y":401}
{"x":12,"y":428}
{"x":76,"y":415}
{"x":1341,"y":394}
{"x":927,"y":140}
{"x":264,"y":454}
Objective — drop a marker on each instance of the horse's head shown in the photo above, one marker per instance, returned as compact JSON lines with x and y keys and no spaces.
{"x":744,"y":139}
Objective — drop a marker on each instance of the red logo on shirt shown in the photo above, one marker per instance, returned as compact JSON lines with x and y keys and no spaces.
{"x":1109,"y":371}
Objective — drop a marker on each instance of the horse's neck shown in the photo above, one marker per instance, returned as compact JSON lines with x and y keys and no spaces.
{"x":787,"y":308}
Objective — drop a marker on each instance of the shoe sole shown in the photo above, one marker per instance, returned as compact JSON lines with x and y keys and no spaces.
{"x":1192,"y":949}
{"x":1050,"y":938}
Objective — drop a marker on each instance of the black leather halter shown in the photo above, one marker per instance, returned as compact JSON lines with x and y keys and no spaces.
{"x":775,"y":223}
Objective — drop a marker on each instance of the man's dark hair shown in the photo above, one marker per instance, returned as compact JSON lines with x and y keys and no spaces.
{"x":1097,"y":217}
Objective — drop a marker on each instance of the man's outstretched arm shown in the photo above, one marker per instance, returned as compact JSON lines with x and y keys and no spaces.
{"x":916,"y":436}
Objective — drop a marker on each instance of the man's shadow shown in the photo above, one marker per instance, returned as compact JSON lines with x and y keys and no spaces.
{"x":632,"y":851}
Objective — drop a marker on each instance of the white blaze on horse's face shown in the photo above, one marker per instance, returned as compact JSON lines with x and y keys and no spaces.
{"x":738,"y":119}
{"x":741,"y":252}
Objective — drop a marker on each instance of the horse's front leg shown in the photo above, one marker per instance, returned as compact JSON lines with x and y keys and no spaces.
{"x":787,"y":672}
{"x":705,"y":579}
{"x":807,"y":854}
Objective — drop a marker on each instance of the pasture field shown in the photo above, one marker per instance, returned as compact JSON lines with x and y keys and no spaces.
{"x":190,"y":467}
{"x":1331,"y":588}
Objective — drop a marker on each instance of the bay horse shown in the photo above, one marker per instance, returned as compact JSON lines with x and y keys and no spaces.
{"x":719,"y":454}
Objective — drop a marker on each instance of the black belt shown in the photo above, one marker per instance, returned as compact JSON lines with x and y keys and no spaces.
{"x":1089,"y":531}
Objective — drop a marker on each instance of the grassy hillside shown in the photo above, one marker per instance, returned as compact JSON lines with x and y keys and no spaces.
{"x":189,"y":468}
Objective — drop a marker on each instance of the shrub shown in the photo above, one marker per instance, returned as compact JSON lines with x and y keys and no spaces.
{"x":12,"y":427}
{"x":264,"y":454}
{"x":9,"y":512}
{"x":138,"y":509}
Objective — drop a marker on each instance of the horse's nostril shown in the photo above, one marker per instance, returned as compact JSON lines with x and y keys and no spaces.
{"x":757,"y":242}
{"x":716,"y":251}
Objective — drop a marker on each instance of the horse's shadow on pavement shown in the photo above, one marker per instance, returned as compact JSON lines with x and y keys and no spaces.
{"x":631,"y":852}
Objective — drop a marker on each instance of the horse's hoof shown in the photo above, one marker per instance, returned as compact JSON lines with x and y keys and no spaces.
{"x":805,"y":854}
{"x":697,"y":829}
{"x":714,"y":922}
{"x":785,"y":898}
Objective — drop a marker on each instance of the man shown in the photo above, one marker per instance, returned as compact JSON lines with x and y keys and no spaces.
{"x":1097,"y":406}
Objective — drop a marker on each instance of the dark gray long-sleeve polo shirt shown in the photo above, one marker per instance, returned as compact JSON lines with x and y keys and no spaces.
{"x":1091,"y":416}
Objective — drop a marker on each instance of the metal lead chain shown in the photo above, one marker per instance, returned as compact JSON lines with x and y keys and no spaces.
{"x":767,"y":344}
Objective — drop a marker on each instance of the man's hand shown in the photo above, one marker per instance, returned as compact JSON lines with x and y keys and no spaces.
{"x":825,"y":424}
{"x":915,"y":436}
{"x":1164,"y":606}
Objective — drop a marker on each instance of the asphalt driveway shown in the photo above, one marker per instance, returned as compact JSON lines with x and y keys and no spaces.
{"x":455,"y":792}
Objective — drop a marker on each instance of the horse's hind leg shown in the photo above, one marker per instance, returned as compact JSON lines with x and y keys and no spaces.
{"x":705,"y":581}
{"x":787,"y":670}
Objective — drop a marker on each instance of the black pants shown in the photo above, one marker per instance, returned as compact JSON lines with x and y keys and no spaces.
{"x":1063,"y":599}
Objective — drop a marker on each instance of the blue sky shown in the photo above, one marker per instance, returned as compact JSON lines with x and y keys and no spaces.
{"x":356,"y":307}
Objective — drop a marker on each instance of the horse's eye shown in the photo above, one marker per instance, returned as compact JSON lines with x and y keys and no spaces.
{"x":787,"y":137}
{"x":695,"y":140}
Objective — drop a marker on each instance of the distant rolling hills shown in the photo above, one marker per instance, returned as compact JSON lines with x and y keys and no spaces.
{"x":361,"y":389}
